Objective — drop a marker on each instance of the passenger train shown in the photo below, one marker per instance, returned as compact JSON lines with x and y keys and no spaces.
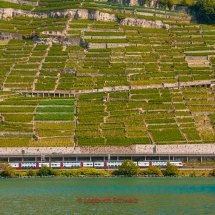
{"x":90,"y":164}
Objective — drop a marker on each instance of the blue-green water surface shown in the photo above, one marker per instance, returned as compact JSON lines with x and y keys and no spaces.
{"x":160,"y":196}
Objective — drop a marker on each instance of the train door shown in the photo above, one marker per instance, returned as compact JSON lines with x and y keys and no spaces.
{"x":37,"y":165}
{"x":105,"y":165}
{"x":61,"y":165}
{"x":20,"y":166}
{"x":150,"y":163}
{"x":81,"y":164}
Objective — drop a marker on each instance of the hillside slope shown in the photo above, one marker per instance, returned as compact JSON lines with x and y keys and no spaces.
{"x":99,"y":73}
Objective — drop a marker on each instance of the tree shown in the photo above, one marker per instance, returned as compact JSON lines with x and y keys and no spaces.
{"x":171,"y":170}
{"x":7,"y":171}
{"x":128,"y":167}
{"x":205,"y":11}
{"x":168,"y":3}
{"x":187,"y":2}
{"x":147,"y":2}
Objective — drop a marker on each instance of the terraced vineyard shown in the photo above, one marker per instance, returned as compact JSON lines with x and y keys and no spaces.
{"x":101,"y":73}
{"x":158,"y":116}
{"x":36,"y":121}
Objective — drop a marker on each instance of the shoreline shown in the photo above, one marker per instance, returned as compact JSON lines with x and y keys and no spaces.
{"x":112,"y":176}
{"x":42,"y":177}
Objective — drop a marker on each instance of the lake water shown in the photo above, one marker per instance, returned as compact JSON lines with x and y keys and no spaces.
{"x":66,"y":196}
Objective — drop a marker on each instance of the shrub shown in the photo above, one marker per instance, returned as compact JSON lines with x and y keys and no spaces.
{"x":171,"y":170}
{"x":45,"y":171}
{"x":7,"y":171}
{"x":128,"y":168}
{"x":193,"y":174}
{"x":152,"y":170}
{"x":19,"y":174}
{"x":213,"y":172}
{"x":90,"y":171}
{"x":31,"y":172}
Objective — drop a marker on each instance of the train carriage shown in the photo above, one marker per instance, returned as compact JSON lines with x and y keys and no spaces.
{"x":71,"y":164}
{"x":14,"y":164}
{"x":177,"y":163}
{"x":87,"y":164}
{"x":114,"y":164}
{"x":28,"y":165}
{"x":158,"y":163}
{"x":56,"y":165}
{"x":100,"y":164}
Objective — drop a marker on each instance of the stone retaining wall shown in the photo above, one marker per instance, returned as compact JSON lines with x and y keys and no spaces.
{"x":116,"y":45}
{"x":9,"y":36}
{"x":97,"y":45}
{"x":196,"y":57}
{"x":36,"y":150}
{"x":151,"y":3}
{"x":122,"y":88}
{"x":200,"y":149}
{"x":59,"y":40}
{"x":108,"y":150}
{"x":104,"y":37}
{"x":144,"y":23}
{"x":186,"y":149}
{"x":8,"y":13}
